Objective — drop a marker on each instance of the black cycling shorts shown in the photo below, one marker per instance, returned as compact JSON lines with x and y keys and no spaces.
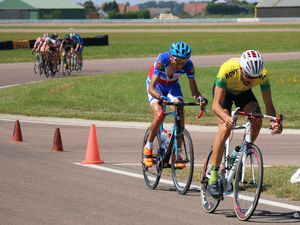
{"x":239,"y":100}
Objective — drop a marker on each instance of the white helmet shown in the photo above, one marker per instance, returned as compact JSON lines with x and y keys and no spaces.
{"x":72,"y":35}
{"x":252,"y":63}
{"x":47,"y":40}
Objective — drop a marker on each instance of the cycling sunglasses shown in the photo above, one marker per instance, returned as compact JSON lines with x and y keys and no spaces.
{"x":180,"y":60}
{"x":248,"y":77}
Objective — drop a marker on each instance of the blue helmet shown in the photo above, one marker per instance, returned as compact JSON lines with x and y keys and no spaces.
{"x":180,"y":49}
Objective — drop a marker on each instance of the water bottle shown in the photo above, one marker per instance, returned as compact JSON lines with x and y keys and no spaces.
{"x":234,"y":154}
{"x":163,"y":138}
{"x":167,"y":141}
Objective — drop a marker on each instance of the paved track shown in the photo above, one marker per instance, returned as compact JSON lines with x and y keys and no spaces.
{"x":41,"y":187}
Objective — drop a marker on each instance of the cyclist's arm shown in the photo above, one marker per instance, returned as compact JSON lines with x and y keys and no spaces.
{"x":270,"y":110}
{"x":217,"y":108}
{"x":61,"y":46}
{"x":194,"y":89}
{"x":151,"y":87}
{"x":267,"y":97}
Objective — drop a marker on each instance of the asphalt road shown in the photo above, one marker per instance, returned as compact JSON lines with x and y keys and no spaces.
{"x":42,"y":187}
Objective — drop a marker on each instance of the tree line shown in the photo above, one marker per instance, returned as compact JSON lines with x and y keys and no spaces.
{"x":233,"y":7}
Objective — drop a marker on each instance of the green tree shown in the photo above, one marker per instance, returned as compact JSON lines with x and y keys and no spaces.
{"x":89,"y":6}
{"x":111,"y":7}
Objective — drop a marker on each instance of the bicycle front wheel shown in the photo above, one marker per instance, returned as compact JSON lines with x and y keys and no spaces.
{"x":209,"y":203}
{"x":152,"y":174}
{"x":248,"y":183}
{"x":182,"y":164}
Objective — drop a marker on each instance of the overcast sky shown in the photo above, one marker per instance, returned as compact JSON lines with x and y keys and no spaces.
{"x":134,"y":2}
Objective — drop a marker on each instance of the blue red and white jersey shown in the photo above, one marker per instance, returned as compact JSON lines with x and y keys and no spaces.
{"x":78,"y":39}
{"x":163,"y":69}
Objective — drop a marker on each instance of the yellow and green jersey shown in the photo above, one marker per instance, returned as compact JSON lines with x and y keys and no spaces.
{"x":229,"y":78}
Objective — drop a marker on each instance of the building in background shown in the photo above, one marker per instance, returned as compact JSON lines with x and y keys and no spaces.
{"x":195,"y":8}
{"x":41,"y":9}
{"x":278,"y":8}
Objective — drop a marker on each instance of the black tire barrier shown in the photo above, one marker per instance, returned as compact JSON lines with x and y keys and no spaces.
{"x":31,"y":43}
{"x":6,"y":45}
{"x":99,"y":40}
{"x":2,"y":45}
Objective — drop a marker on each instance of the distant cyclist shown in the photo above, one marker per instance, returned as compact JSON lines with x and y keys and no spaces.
{"x":163,"y":84}
{"x":78,"y":47}
{"x":66,"y":47}
{"x":234,"y":84}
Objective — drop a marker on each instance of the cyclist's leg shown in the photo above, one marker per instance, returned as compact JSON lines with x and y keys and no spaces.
{"x":80,"y":55}
{"x":175,"y":95}
{"x":218,"y":145}
{"x":154,"y":127}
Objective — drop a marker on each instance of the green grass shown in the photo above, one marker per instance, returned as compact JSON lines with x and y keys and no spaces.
{"x":123,"y":45}
{"x":122,"y":96}
{"x":150,"y":26}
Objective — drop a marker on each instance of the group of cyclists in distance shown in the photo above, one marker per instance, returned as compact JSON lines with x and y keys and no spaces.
{"x":51,"y":50}
{"x":233,"y":84}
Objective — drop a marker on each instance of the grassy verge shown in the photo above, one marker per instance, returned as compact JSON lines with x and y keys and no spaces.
{"x":123,"y":97}
{"x":122,"y":45}
{"x":151,"y":26}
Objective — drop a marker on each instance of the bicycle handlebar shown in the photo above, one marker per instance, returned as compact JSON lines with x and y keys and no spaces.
{"x":253,"y":115}
{"x":181,"y":104}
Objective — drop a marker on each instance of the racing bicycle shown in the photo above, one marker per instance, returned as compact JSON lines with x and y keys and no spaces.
{"x":182,"y":177}
{"x":243,"y":176}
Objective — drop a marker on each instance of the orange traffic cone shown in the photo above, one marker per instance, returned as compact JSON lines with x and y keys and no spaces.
{"x":17,"y":135}
{"x":92,"y":152}
{"x":57,"y":144}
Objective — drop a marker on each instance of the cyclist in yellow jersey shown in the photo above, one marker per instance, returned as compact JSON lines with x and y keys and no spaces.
{"x":233,"y":84}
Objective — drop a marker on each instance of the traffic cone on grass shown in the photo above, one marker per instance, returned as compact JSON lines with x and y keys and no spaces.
{"x":92,"y":152}
{"x":17,"y":135}
{"x":57,"y":144}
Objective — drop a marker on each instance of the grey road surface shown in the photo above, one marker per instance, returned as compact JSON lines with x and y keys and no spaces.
{"x":42,"y":187}
{"x":23,"y":72}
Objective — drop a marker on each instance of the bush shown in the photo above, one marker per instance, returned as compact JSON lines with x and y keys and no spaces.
{"x":143,"y":14}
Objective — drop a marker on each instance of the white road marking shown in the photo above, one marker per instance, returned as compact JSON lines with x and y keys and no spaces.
{"x":169,"y":182}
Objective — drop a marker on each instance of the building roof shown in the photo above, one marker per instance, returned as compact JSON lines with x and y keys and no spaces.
{"x":278,"y":3}
{"x":194,"y":8}
{"x":39,"y":4}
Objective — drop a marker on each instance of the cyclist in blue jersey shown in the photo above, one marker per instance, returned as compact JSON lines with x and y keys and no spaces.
{"x":78,"y":47}
{"x":162,"y":84}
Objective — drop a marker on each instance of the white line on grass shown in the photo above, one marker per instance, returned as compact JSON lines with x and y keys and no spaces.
{"x":140,"y":176}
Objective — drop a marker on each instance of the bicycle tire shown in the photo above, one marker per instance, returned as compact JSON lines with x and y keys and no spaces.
{"x":209,"y":203}
{"x":182,"y":177}
{"x":248,"y":183}
{"x":35,"y":68}
{"x":152,"y":174}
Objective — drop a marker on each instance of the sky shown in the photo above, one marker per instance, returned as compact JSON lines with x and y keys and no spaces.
{"x":134,"y":2}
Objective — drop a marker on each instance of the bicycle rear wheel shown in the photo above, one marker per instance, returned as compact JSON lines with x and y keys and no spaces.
{"x":182,"y":177}
{"x":209,"y":203}
{"x":152,"y":174}
{"x":36,"y":66}
{"x":248,"y":183}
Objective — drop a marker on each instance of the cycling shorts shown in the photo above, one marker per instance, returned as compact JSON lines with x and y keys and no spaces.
{"x":240,"y":100}
{"x":172,"y":91}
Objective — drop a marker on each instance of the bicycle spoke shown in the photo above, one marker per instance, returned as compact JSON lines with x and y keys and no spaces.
{"x":183,"y":164}
{"x":209,"y":204}
{"x":152,"y":174}
{"x":248,"y":183}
